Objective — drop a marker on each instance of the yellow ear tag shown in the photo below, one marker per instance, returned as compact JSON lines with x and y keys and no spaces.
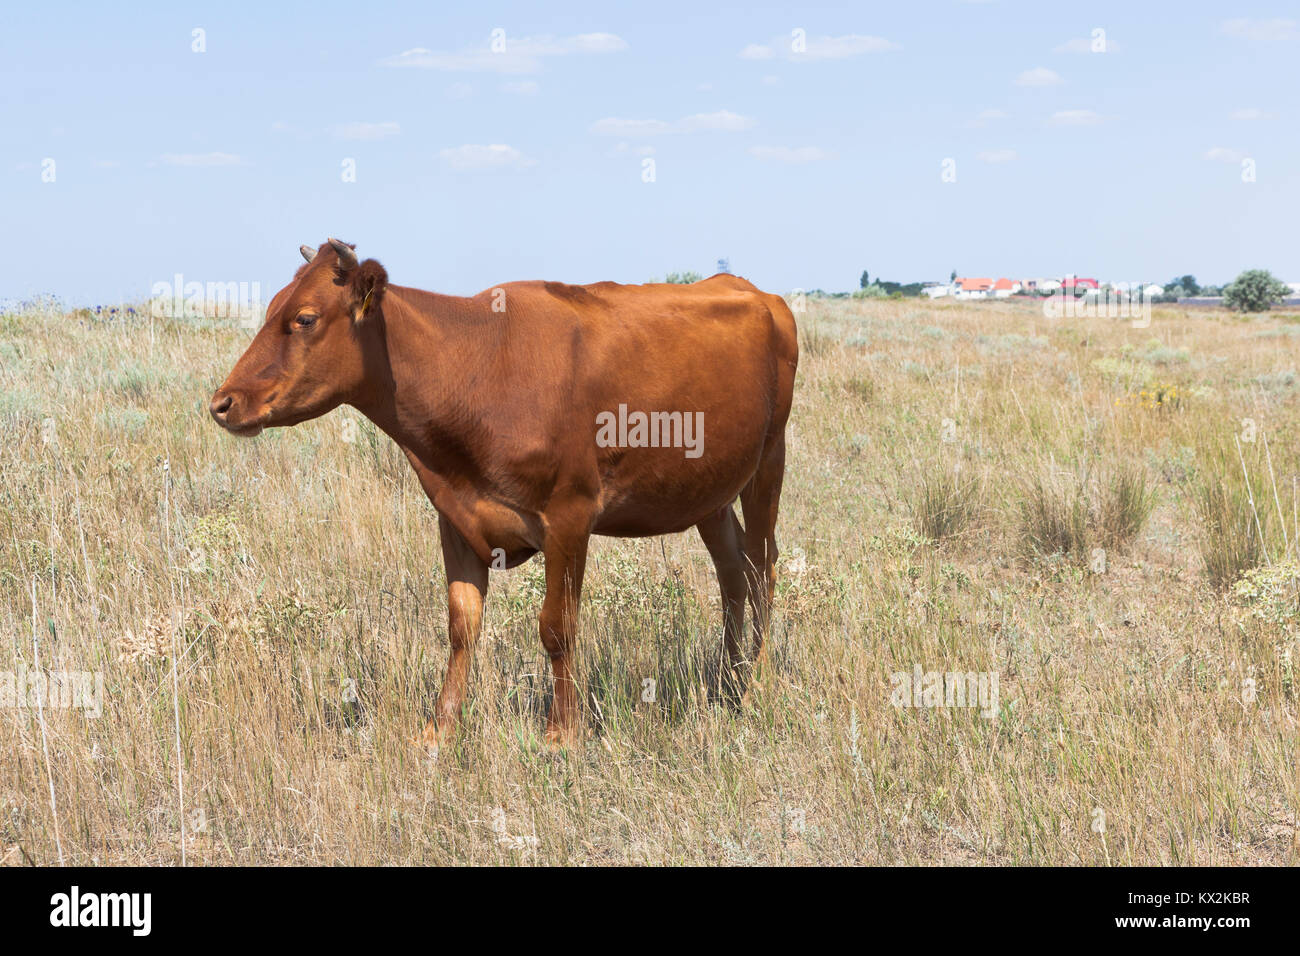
{"x":365,"y":305}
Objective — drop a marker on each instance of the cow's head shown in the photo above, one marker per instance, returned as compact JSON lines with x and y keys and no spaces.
{"x":314,"y":350}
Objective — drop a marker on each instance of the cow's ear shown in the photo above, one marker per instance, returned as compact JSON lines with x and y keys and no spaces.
{"x":367,"y":283}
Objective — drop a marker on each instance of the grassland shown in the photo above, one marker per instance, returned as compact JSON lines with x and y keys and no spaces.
{"x":1069,"y":504}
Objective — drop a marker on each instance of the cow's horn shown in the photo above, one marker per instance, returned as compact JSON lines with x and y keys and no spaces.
{"x":308,"y":252}
{"x":347,"y":258}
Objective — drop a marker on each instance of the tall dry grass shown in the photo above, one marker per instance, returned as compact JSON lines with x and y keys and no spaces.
{"x":269,"y":619}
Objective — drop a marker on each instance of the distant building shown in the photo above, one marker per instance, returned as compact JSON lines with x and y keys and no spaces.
{"x":724,"y":265}
{"x":1075,"y":283}
{"x":936,"y":290}
{"x":972,"y":288}
{"x":1005,"y":287}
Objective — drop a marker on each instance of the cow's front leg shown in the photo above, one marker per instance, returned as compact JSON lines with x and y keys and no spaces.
{"x":467,"y":583}
{"x":566,"y":560}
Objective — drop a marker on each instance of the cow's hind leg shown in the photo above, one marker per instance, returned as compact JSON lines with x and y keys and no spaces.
{"x":760,"y":502}
{"x":566,"y":561}
{"x":724,"y":538}
{"x":467,"y":583}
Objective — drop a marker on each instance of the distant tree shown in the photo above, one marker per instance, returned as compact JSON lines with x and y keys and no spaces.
{"x":882,"y":288}
{"x":1188,"y":283}
{"x":1255,"y":290}
{"x":724,"y":265}
{"x":865,"y":280}
{"x":953,"y":277}
{"x":683,"y":278}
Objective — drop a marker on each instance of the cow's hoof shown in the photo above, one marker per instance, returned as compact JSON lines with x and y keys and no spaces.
{"x":559,"y":741}
{"x":432,"y":740}
{"x":425,"y":748}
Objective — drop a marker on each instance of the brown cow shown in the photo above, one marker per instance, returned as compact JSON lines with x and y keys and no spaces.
{"x":537,"y":414}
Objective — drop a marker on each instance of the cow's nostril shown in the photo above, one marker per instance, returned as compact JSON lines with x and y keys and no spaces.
{"x":220,"y":406}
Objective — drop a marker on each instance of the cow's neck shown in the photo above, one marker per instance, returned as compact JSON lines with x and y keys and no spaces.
{"x":429,"y":387}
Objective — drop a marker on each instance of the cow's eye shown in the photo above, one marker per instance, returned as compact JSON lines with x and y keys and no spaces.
{"x":305,"y":321}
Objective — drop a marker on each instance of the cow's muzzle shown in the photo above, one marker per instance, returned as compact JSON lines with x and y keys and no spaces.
{"x":230,"y":413}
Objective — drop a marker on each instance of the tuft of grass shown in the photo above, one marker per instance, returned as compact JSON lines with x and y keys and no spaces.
{"x":1068,"y":514}
{"x":1126,"y":502}
{"x":944,"y":504}
{"x":816,"y":339}
{"x":1231,"y":539}
{"x":1053,"y":515}
{"x":862,"y":387}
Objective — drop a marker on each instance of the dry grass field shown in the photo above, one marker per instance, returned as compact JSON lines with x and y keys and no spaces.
{"x":1068,"y":505}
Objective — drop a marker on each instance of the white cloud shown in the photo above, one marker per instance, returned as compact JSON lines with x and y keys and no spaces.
{"x":202,"y":159}
{"x":1252,"y":113}
{"x":523,"y":55}
{"x":473,"y":61}
{"x":819,"y":48}
{"x":366,"y":131}
{"x":1039,"y":76}
{"x":562,"y":46}
{"x":1074,"y":118}
{"x":471,"y":157}
{"x":612,"y":126}
{"x":996,"y":156}
{"x":521,"y":88}
{"x":722,"y":120}
{"x":623,"y":149}
{"x":1221,"y":154}
{"x":787,"y":154}
{"x":839,"y":48}
{"x":1077,"y":45}
{"x":1248,"y":28}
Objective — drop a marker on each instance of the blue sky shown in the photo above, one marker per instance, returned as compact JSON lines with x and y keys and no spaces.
{"x":803,"y":168}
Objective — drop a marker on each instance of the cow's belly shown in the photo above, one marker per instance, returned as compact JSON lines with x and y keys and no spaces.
{"x":659,"y":491}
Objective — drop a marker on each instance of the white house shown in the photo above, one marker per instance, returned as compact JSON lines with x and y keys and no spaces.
{"x":973,"y":288}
